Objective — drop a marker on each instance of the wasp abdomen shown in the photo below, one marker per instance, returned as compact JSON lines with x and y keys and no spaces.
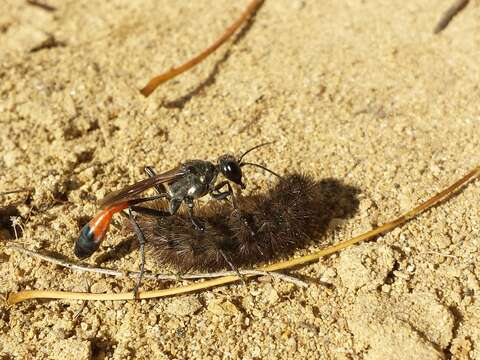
{"x":94,"y":231}
{"x":86,"y":243}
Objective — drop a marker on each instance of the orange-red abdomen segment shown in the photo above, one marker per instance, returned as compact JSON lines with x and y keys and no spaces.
{"x":94,"y":231}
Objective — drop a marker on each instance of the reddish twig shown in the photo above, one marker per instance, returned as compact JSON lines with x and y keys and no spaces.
{"x":41,"y":5}
{"x":448,"y":15}
{"x":170,"y":74}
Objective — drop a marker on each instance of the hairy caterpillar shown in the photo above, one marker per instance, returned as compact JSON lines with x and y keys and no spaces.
{"x":266,"y":225}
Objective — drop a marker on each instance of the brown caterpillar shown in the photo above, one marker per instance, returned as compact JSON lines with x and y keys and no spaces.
{"x":265,"y":226}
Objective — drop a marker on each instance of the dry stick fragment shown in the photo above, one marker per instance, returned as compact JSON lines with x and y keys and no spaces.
{"x":41,"y":5}
{"x":50,"y":43}
{"x":16,"y":221}
{"x":134,"y":274}
{"x":16,"y":191}
{"x":170,"y":74}
{"x":46,"y":294}
{"x":448,"y":15}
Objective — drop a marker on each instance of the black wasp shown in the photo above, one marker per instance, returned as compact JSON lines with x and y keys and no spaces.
{"x":187,"y":182}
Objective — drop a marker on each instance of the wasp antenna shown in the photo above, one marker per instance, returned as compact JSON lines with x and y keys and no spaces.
{"x":254,"y":148}
{"x":262,"y":167}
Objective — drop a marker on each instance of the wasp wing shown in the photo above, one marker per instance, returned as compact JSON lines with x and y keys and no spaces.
{"x":131,"y":191}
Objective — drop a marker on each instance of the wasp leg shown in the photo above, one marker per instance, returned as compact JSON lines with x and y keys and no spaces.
{"x":150,"y":170}
{"x":141,"y":240}
{"x":197,"y":225}
{"x":223,"y":195}
{"x":162,"y":193}
{"x":233,"y":267}
{"x":175,"y":205}
{"x":218,"y":195}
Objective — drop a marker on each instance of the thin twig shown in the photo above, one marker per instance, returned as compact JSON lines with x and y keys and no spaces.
{"x":448,"y":15}
{"x":49,"y":43}
{"x":16,"y":191}
{"x":134,"y":274}
{"x":170,"y":74}
{"x":41,"y":5}
{"x":441,"y":254}
{"x":47,"y":294}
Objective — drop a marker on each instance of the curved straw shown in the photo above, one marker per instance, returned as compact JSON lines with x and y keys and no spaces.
{"x":16,"y":191}
{"x":45,"y":294}
{"x":170,"y":74}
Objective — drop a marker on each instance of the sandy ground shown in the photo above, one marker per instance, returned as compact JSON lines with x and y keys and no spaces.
{"x":357,"y":91}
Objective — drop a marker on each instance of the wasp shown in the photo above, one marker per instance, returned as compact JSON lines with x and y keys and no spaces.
{"x":184,"y":184}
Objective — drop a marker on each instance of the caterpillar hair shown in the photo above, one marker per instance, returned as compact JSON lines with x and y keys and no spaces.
{"x":265,"y":225}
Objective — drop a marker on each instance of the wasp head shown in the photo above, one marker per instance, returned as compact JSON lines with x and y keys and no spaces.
{"x":230,"y":168}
